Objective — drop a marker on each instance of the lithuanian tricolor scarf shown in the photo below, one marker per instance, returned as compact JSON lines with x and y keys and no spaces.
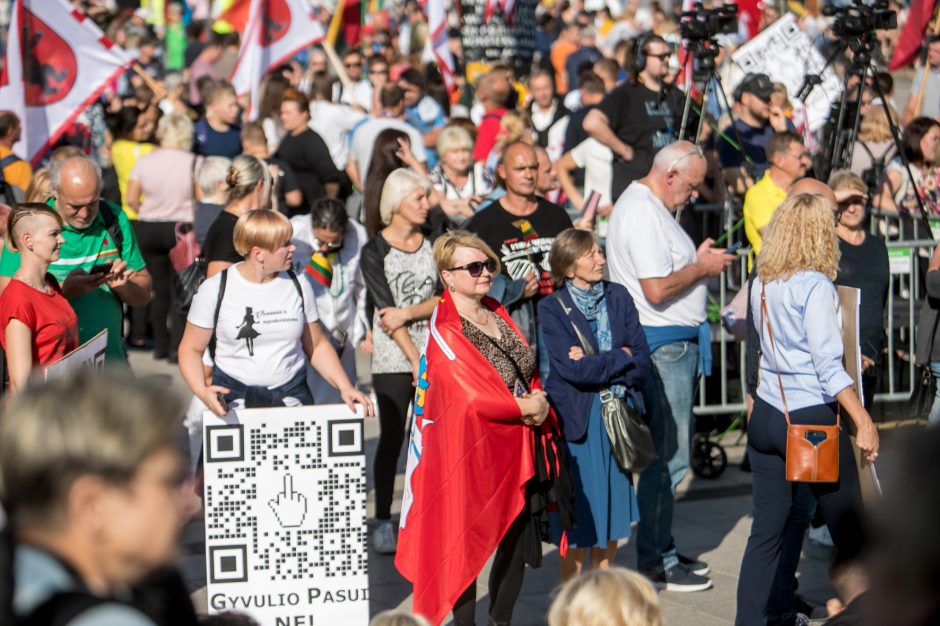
{"x":320,"y":268}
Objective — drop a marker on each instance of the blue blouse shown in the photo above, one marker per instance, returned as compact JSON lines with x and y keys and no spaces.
{"x":807,"y":330}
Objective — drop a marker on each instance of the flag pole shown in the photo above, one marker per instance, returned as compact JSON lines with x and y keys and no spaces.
{"x":337,"y":64}
{"x":158,"y":91}
{"x":919,"y":102}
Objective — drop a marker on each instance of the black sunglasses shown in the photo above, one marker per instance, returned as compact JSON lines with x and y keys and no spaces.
{"x":476,"y":268}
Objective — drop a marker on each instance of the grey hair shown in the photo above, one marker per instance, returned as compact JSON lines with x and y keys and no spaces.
{"x":329,"y":214}
{"x":212,"y":171}
{"x":398,"y":185}
{"x":675,"y":154}
{"x":243,"y":176}
{"x":55,"y":171}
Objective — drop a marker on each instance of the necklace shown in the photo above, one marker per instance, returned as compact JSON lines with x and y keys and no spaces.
{"x":486,"y":318}
{"x":44,"y":288}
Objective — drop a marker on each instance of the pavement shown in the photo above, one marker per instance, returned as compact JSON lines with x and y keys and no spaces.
{"x":712,"y":521}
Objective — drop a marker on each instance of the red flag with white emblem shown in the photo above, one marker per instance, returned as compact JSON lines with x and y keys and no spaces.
{"x":438,"y":43}
{"x":276,"y":31}
{"x":57,"y":63}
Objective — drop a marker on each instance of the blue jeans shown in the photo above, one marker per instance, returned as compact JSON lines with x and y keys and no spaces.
{"x":934,"y":416}
{"x":668,"y":392}
{"x":255,"y":397}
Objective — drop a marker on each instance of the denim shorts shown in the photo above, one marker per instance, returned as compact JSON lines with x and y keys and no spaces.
{"x":292,"y":393}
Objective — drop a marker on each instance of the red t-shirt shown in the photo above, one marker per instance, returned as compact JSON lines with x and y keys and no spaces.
{"x":49,"y":317}
{"x":486,"y":134}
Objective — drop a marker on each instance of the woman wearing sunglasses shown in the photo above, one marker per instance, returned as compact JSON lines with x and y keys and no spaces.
{"x":475,"y":445}
{"x":603,"y":314}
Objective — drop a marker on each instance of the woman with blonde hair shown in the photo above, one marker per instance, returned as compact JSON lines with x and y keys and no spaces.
{"x":265,"y":325}
{"x":874,"y":147}
{"x":802,"y":381}
{"x":38,"y":323}
{"x":457,"y":179}
{"x":40,"y":187}
{"x":606,"y":597}
{"x":162,"y":209}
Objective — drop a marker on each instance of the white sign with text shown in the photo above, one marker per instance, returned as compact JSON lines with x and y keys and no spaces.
{"x":285,"y":508}
{"x":88,"y":355}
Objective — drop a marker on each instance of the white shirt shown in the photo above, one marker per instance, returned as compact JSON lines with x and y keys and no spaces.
{"x":360,"y":94}
{"x":596,"y":159}
{"x":556,"y":139}
{"x":334,"y":122}
{"x":645,"y":241}
{"x":258,"y":337}
{"x":342,"y":307}
{"x":363,"y":140}
{"x":541,"y":118}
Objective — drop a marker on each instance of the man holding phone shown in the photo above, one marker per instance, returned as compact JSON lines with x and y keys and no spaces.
{"x":652,"y":256}
{"x":100,"y":267}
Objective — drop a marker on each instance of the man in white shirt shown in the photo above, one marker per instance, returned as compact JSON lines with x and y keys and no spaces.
{"x":653,"y":257}
{"x":392,"y":101}
{"x":331,"y":120}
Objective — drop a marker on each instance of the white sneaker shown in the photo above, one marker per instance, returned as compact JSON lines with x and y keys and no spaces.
{"x":384,"y":540}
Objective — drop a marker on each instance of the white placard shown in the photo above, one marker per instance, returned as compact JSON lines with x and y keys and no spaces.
{"x":89,"y":354}
{"x":899,"y":260}
{"x":285,"y":510}
{"x":786,"y":54}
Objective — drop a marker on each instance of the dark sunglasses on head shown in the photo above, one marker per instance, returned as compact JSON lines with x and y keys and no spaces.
{"x":476,"y":268}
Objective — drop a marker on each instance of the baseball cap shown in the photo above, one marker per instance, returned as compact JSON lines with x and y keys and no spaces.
{"x":757,"y":84}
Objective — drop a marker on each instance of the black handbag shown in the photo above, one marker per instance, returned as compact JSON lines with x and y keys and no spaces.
{"x":630,"y":439}
{"x":924,"y":385}
{"x":186,"y":283}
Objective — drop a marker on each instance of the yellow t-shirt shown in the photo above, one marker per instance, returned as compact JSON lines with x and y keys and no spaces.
{"x":18,"y":173}
{"x":760,"y":202}
{"x":124,"y":154}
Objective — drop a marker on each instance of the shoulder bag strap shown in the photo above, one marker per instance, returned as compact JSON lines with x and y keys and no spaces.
{"x":765,"y":318}
{"x":218,"y":307}
{"x":585,"y":344}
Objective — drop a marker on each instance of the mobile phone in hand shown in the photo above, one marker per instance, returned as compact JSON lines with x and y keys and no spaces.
{"x":590,"y":207}
{"x":221,"y":398}
{"x":102,"y":268}
{"x":733,"y":248}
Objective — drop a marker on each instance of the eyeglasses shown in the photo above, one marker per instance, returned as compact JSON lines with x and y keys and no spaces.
{"x":352,"y":65}
{"x":694,"y":151}
{"x":662,"y":57}
{"x":476,"y":268}
{"x":330,"y":245}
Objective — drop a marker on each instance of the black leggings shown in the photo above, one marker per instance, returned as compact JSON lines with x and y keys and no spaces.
{"x":775,"y":500}
{"x":393,"y":393}
{"x":156,"y":239}
{"x":505,"y":580}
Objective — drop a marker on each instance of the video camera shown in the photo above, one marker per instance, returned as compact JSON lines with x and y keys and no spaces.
{"x":859,"y":19}
{"x":701,"y":24}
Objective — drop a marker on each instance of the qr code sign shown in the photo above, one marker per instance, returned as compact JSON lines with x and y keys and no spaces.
{"x":285,"y":499}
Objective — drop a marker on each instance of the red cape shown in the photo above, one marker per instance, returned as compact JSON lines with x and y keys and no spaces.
{"x":469,"y":458}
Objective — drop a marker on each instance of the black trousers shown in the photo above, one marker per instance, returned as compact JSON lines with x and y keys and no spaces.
{"x":156,"y":239}
{"x":393,"y":393}
{"x":775,"y":499}
{"x":505,"y":580}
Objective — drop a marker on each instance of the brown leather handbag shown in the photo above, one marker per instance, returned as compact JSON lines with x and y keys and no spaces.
{"x":812,"y":451}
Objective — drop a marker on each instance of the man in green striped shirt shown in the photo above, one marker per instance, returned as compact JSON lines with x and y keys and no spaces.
{"x":95,"y":291}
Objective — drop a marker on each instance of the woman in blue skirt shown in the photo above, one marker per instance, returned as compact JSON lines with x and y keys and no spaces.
{"x":605,"y":316}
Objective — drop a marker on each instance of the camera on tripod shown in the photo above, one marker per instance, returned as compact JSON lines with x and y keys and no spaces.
{"x":859,"y":19}
{"x":700,"y":23}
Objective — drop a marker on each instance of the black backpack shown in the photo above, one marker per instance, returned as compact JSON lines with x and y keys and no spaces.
{"x":872,"y":174}
{"x":5,"y":188}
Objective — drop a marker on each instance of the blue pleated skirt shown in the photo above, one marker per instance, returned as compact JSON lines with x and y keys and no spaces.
{"x":604,"y":502}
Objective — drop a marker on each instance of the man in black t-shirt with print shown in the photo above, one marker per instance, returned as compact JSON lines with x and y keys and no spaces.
{"x":521,"y":227}
{"x":639,"y":117}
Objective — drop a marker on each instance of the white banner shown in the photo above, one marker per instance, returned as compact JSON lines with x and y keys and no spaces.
{"x":785,"y":52}
{"x":88,"y":355}
{"x":285,"y":511}
{"x":57,"y":63}
{"x":275,"y":32}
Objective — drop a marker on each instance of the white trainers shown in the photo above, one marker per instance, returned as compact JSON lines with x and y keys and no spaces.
{"x":384,"y":540}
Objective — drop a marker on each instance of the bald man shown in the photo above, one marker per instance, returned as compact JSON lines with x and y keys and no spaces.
{"x":653,"y":257}
{"x":100,"y":267}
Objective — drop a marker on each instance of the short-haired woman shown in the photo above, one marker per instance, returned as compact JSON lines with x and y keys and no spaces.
{"x":160,"y":208}
{"x":39,"y":325}
{"x":400,"y":282}
{"x":612,"y":597}
{"x":305,"y":151}
{"x":265,"y":324}
{"x":248,"y":187}
{"x":801,"y":376}
{"x":480,"y":405}
{"x":605,"y":316}
{"x":328,"y":251}
{"x":874,"y":147}
{"x":456,"y":179}
{"x":921,"y":143}
{"x":863,"y":263}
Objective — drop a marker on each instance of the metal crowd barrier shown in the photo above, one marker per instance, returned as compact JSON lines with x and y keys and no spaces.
{"x":909,"y":249}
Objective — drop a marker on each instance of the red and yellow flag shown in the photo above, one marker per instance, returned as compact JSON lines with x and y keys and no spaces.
{"x":320,"y":268}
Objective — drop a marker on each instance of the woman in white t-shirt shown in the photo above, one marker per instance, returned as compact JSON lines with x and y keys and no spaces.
{"x":265,"y":325}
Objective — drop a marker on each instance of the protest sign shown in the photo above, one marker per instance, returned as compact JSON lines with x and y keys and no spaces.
{"x":285,"y":510}
{"x":88,"y":355}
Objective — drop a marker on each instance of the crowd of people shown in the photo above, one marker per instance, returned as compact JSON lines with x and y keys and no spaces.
{"x":443,"y":233}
